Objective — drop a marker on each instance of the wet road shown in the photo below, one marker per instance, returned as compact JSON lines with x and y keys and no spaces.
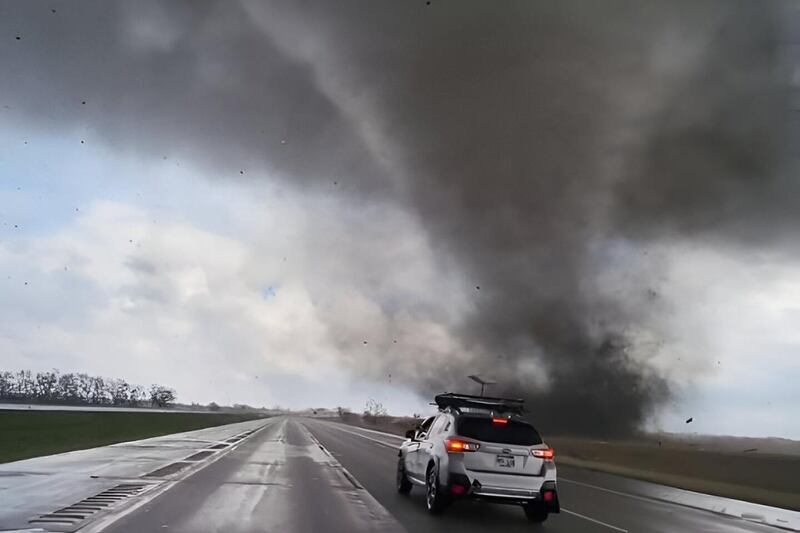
{"x":281,"y":480}
{"x":40,"y":485}
{"x":591,"y":502}
{"x":297,"y":475}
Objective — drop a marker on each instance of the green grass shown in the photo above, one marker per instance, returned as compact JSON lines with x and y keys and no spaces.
{"x":25,"y":434}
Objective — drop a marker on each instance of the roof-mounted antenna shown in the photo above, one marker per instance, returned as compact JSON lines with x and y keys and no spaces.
{"x":482,"y":382}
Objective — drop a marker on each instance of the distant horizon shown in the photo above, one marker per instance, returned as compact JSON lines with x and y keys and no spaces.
{"x":180,"y":406}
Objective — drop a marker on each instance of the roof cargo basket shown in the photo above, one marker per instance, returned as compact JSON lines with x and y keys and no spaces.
{"x":497,"y":405}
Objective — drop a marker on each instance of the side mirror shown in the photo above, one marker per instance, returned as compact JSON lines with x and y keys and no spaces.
{"x":411,"y":433}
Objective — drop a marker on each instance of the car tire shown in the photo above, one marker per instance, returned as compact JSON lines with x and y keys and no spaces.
{"x":435,"y":501}
{"x":535,"y":512}
{"x":403,"y":483}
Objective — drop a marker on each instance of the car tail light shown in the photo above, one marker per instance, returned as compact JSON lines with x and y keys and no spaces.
{"x":458,"y":446}
{"x":458,"y":490}
{"x":501,"y":421}
{"x":548,"y":495}
{"x":547,"y":454}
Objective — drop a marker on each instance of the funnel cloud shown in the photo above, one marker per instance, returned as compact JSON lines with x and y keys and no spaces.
{"x":550,"y":152}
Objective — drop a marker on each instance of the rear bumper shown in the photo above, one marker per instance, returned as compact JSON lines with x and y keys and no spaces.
{"x":505,"y":489}
{"x":489,"y":491}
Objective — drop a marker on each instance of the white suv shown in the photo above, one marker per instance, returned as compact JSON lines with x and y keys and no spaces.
{"x":479,"y":447}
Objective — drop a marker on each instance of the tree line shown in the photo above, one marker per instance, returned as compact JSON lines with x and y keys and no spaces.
{"x":79,"y":389}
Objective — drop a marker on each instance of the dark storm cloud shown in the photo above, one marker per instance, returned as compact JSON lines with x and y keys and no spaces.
{"x":528,"y":137}
{"x":534,"y":133}
{"x":719,"y":157}
{"x":192,"y":80}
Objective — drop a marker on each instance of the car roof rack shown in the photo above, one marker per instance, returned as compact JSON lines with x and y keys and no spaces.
{"x":497,"y":405}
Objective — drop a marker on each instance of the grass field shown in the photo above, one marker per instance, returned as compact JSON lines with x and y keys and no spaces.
{"x":25,"y":434}
{"x":765,"y":478}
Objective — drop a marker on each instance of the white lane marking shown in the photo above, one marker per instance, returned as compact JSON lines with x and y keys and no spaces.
{"x":590,"y":519}
{"x":666,"y":500}
{"x":612,"y":491}
{"x":359,"y":428}
{"x":387,"y":444}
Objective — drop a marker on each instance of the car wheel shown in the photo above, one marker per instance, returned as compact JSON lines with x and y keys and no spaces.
{"x":434,"y":499}
{"x":403,"y":483}
{"x":535,"y":512}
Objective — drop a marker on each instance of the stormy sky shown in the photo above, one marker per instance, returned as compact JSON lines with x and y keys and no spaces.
{"x":302,"y":204}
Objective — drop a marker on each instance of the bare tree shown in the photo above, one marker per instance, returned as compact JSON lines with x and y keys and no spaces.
{"x":84,"y":386}
{"x":99,"y":393}
{"x":79,"y":389}
{"x":68,"y":388}
{"x":119,"y":391}
{"x":25,"y":385}
{"x":47,"y":385}
{"x":161,"y":396}
{"x":373,"y":410}
{"x":136,"y":395}
{"x":6,"y":385}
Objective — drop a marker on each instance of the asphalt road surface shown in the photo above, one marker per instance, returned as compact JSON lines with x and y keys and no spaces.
{"x":278,"y":480}
{"x":33,"y":487}
{"x":306,"y":475}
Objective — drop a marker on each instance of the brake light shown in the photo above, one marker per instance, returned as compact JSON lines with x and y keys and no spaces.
{"x":549,"y":495}
{"x":458,"y":446}
{"x":499,"y":420}
{"x":546,"y":454}
{"x":458,"y":490}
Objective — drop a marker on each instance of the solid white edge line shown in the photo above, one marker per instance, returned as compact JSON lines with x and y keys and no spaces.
{"x":336,"y":423}
{"x":590,"y":519}
{"x":612,"y":491}
{"x":656,"y":500}
{"x":382,"y":443}
{"x":393,"y":435}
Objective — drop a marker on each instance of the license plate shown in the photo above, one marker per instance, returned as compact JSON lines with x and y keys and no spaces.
{"x":505,"y":461}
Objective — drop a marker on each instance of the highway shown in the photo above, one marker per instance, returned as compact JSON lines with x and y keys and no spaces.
{"x":591,"y":502}
{"x":280,"y":480}
{"x":299,"y":475}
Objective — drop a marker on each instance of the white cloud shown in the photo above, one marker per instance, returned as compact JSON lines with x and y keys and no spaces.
{"x":119,"y":293}
{"x":124,"y":291}
{"x":733,"y":340}
{"x":165,"y":295}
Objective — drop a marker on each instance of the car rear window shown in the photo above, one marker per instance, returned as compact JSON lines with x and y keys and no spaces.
{"x":483,"y":429}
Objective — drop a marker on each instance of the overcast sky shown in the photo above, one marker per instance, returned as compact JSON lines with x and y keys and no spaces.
{"x":278,"y":205}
